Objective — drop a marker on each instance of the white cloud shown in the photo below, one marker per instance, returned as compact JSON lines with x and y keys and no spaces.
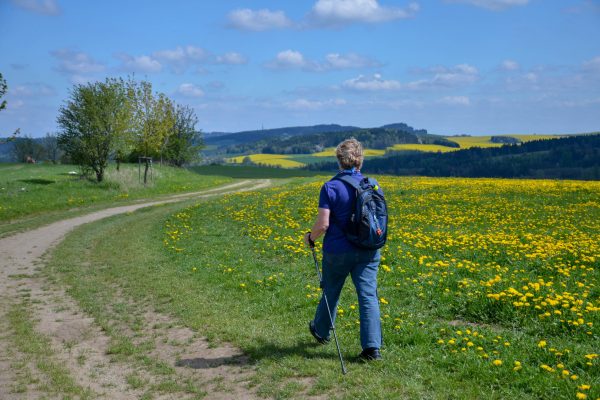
{"x":402,"y":103}
{"x":290,"y":59}
{"x":304,"y":104}
{"x":190,"y":90}
{"x":216,"y":85}
{"x":580,"y":103}
{"x":372,"y":83}
{"x":509,"y":65}
{"x":258,"y":20}
{"x":458,"y":75}
{"x":455,"y":100}
{"x":527,"y":81}
{"x":32,"y":90}
{"x":142,"y":63}
{"x":178,"y":59}
{"x":181,"y":54}
{"x":82,"y":79}
{"x":340,"y":61}
{"x":231,"y":58}
{"x":592,"y":65}
{"x":495,"y":5}
{"x":342,"y":12}
{"x":531,"y":77}
{"x":76,"y":62}
{"x":181,"y":57}
{"x":45,"y":7}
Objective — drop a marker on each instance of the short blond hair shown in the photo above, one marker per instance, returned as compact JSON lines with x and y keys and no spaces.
{"x":350,"y":154}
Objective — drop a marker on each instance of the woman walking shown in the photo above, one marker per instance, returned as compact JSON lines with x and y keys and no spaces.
{"x":342,"y":258}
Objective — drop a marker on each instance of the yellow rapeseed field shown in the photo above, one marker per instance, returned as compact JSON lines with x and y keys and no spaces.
{"x":466,"y":142}
{"x":277,"y":160}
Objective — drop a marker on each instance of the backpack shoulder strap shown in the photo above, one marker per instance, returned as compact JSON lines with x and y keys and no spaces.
{"x":350,"y":181}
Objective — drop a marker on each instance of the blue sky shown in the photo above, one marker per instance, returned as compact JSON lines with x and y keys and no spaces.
{"x":449,"y":66}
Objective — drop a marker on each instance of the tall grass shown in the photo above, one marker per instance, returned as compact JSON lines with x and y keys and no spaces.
{"x":27,"y":190}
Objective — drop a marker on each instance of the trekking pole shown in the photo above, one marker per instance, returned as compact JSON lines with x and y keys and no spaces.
{"x":337,"y":344}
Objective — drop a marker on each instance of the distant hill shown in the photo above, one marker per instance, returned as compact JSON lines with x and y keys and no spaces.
{"x":374,"y":138}
{"x":226,"y":139}
{"x":572,"y":157}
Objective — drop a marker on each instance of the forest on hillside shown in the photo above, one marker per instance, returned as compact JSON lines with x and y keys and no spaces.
{"x":573,"y":157}
{"x":374,"y":138}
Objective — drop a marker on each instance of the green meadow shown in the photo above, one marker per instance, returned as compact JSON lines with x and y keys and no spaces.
{"x":488,"y":288}
{"x":40,"y":191}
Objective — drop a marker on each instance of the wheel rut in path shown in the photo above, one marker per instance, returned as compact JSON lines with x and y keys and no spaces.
{"x":80,"y":345}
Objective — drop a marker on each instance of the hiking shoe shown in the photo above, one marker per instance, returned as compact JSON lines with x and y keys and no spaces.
{"x":370,"y":354}
{"x":311,"y":328}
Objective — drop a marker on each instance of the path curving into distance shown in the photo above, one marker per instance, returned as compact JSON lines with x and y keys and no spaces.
{"x":57,"y":316}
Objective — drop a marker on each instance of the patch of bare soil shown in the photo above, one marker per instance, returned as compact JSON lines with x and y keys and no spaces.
{"x":222,"y":371}
{"x":80,"y":345}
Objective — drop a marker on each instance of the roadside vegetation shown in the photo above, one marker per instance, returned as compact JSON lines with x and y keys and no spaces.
{"x":488,"y":287}
{"x":125,"y":120}
{"x":27,"y":190}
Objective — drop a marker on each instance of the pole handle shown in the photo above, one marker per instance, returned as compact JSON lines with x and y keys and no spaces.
{"x":311,"y":242}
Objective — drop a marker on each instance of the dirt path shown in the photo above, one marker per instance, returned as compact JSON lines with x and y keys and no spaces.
{"x":80,"y":345}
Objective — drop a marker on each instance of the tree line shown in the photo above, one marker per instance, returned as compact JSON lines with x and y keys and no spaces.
{"x":573,"y":157}
{"x":374,"y":138}
{"x":27,"y":149}
{"x":124,"y":120}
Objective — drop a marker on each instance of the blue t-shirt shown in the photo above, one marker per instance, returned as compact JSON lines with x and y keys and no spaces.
{"x":339,"y":197}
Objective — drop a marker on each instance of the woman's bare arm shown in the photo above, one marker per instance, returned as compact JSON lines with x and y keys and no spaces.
{"x":320,"y":226}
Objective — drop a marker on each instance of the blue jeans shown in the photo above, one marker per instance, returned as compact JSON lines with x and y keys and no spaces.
{"x":362,"y":265}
